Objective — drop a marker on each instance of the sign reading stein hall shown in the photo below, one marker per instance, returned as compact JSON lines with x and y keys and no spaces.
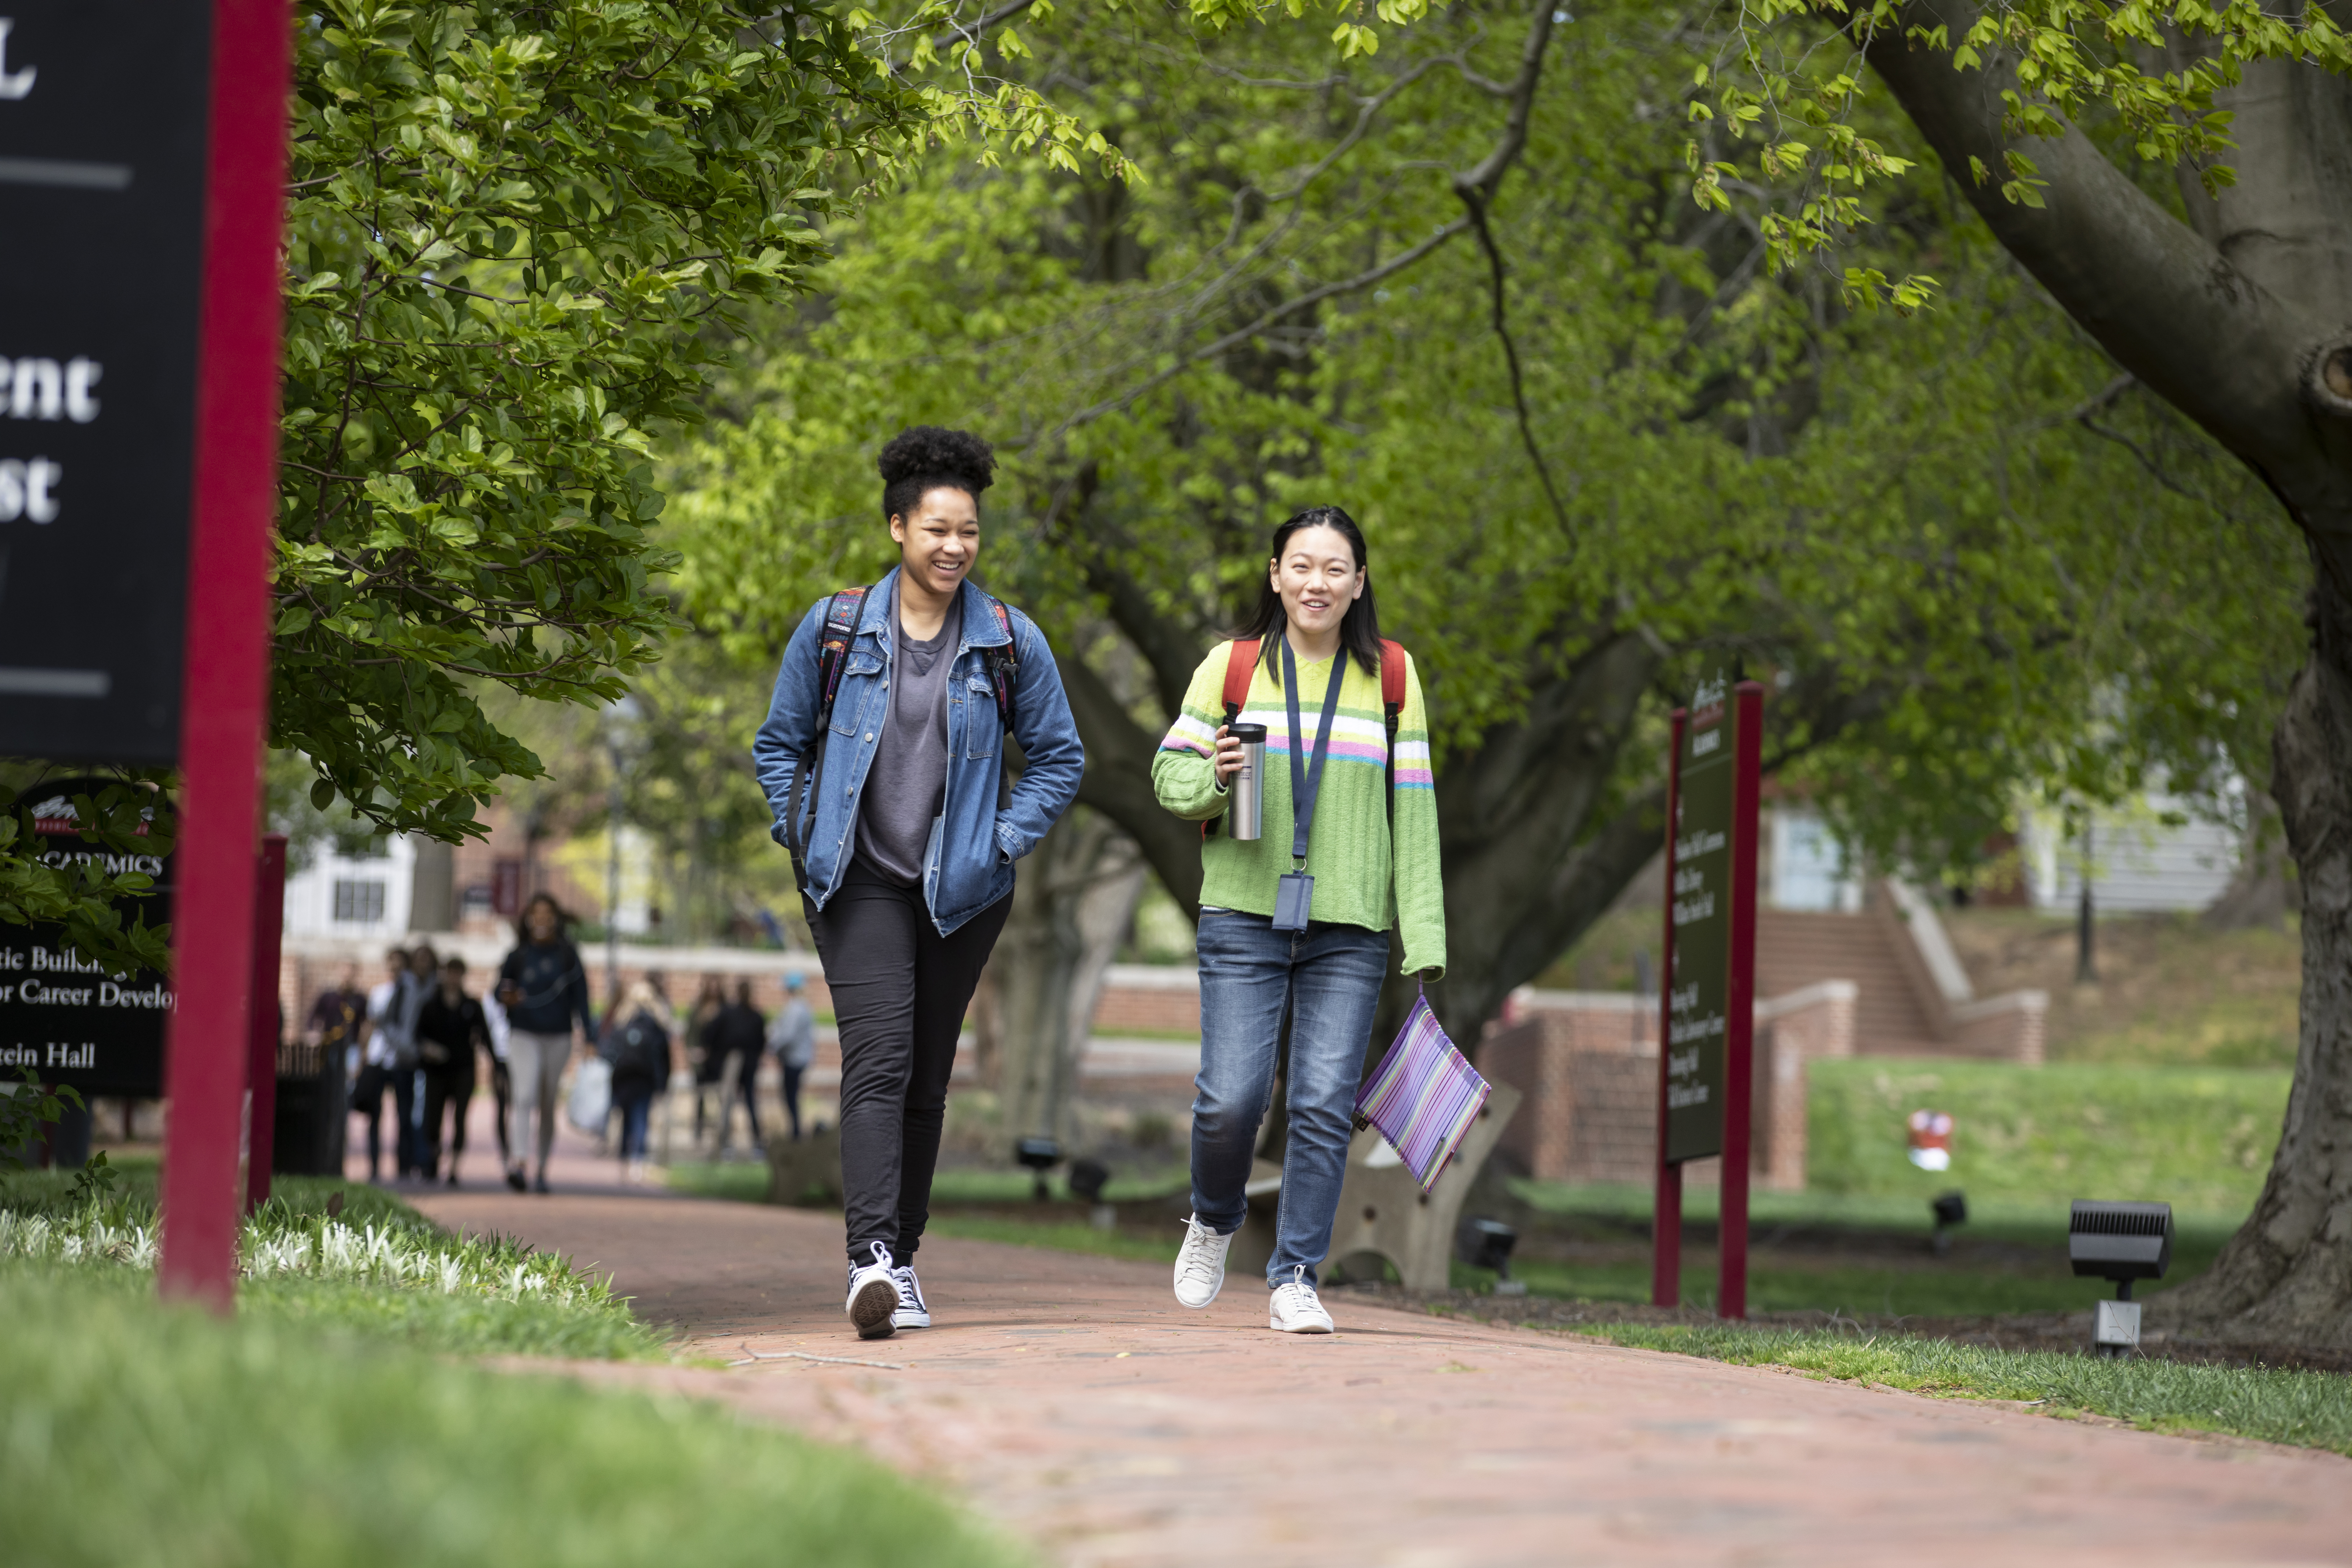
{"x":63,"y":1017}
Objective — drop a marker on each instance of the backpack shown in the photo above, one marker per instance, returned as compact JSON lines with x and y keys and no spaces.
{"x":1241,"y":665}
{"x":841,"y":613}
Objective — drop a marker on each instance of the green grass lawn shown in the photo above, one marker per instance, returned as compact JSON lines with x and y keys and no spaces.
{"x":2313,"y":1409}
{"x":376,"y":1270}
{"x":137,"y":1434}
{"x":332,"y":1420}
{"x":2198,"y":1138}
{"x":2009,"y":1257}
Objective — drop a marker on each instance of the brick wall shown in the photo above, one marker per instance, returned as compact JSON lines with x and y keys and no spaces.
{"x":1587,"y":1063}
{"x":1152,"y":998}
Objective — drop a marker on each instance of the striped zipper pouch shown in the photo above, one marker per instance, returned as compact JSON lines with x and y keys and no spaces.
{"x":1423,"y":1096}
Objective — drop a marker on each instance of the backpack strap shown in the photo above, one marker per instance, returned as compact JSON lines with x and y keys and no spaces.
{"x":1391,"y":704}
{"x":841,"y":613}
{"x":1241,"y":666}
{"x":1003,"y":661}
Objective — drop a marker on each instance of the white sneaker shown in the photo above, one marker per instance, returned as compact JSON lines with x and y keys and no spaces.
{"x":910,"y":1313}
{"x":1200,"y":1263}
{"x":873,"y":1296}
{"x":1297,"y":1310}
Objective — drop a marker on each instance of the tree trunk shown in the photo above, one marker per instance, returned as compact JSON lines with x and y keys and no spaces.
{"x":2286,"y":1277}
{"x":2261,"y":893}
{"x":1071,"y":907}
{"x":2238,"y":318}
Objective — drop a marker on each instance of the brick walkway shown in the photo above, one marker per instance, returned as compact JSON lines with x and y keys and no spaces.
{"x":1071,"y":1399}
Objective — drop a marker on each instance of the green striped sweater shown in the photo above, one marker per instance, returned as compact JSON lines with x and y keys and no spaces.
{"x":1358,"y":882}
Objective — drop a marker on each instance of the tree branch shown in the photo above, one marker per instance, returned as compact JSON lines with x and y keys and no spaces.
{"x":2174,"y":310}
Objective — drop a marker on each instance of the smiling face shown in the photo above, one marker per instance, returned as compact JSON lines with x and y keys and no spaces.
{"x":1318,"y":578}
{"x":940,"y":540}
{"x":539,"y":921}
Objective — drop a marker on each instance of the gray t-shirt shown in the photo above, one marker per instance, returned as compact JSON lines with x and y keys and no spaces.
{"x":907,"y":785}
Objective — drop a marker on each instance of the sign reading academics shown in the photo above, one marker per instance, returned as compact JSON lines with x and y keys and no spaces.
{"x":1699,"y":971}
{"x":103,"y":116}
{"x":63,"y":1017}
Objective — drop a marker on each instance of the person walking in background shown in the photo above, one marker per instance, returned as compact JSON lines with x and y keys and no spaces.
{"x":381,"y":1047}
{"x":792,"y":1036}
{"x":709,"y":1066}
{"x":902,"y":836}
{"x":424,"y":976}
{"x":494,"y":1017}
{"x":544,"y":991}
{"x":733,"y":1037}
{"x":450,"y":1031}
{"x":1295,"y":922}
{"x":375,"y":1068}
{"x":638,"y":1046}
{"x":334,"y":1020}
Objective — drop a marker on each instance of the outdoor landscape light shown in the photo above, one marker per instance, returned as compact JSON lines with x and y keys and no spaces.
{"x":1087,"y":1178}
{"x":1487,"y":1243}
{"x":2122,"y":1242}
{"x":1950,"y":1209}
{"x":1041,"y":1155}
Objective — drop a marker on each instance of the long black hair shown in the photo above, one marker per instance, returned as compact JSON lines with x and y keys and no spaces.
{"x":523,"y":918}
{"x":1360,"y":628}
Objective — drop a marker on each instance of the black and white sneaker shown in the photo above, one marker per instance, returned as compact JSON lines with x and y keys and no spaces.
{"x":873,"y":1295}
{"x":911,"y":1314}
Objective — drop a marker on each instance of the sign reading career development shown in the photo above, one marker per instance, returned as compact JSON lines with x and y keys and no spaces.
{"x":103,"y":128}
{"x":1699,"y":973}
{"x":62,"y":1015}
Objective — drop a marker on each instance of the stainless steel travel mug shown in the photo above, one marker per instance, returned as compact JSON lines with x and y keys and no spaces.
{"x":1247,"y":786}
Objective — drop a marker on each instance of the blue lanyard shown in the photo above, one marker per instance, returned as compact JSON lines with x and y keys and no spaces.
{"x":1305,"y":780}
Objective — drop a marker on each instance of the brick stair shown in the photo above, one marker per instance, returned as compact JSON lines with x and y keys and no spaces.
{"x":1795,"y":949}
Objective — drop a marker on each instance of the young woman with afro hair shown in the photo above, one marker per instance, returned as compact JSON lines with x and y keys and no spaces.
{"x":890,"y":796}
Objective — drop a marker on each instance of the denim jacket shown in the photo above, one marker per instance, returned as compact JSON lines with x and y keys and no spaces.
{"x":973,"y":843}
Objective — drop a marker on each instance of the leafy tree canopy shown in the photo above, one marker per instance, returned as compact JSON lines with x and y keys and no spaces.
{"x":517,"y":234}
{"x":1949,"y":541}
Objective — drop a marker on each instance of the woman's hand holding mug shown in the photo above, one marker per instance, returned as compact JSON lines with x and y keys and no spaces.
{"x":1229,"y":756}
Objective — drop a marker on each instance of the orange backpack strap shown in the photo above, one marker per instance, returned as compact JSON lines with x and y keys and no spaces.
{"x":1241,"y":666}
{"x":1392,"y":681}
{"x":1392,"y":704}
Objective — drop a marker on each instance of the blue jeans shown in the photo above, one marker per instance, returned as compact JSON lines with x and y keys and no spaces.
{"x":1327,"y":977}
{"x":634,"y":1104}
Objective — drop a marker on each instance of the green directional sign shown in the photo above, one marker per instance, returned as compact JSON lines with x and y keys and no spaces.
{"x":1699,"y":976}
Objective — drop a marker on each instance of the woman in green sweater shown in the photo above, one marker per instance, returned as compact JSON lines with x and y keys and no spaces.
{"x":1298,"y":920}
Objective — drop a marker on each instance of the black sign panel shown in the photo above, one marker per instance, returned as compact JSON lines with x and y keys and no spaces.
{"x":1701,"y":973}
{"x":60,"y":1015}
{"x":102,"y":159}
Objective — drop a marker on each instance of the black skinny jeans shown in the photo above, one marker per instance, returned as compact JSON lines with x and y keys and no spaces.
{"x":900,"y":990}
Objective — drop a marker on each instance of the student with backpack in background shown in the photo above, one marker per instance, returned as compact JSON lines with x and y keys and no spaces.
{"x":882,"y":758}
{"x":544,"y":990}
{"x":1295,"y":922}
{"x":638,"y":1046}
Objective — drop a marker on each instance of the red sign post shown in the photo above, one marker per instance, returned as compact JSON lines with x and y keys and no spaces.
{"x":225,"y":681}
{"x":1708,"y":1001}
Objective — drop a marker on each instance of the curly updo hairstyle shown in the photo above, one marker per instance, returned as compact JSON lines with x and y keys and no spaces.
{"x":916,"y":461}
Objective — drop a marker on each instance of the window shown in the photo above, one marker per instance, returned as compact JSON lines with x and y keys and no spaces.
{"x":361,"y":902}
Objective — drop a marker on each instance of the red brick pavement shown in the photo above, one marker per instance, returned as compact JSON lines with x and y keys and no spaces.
{"x":1071,"y":1399}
